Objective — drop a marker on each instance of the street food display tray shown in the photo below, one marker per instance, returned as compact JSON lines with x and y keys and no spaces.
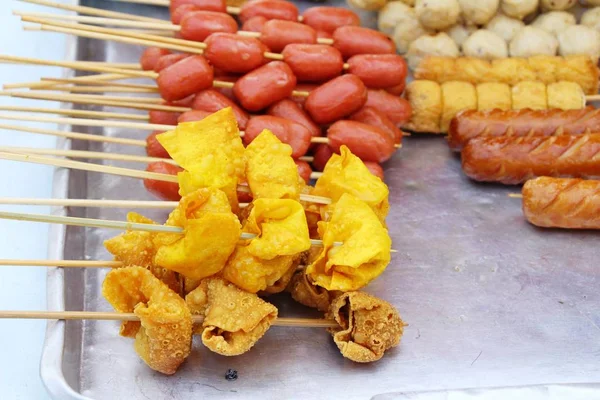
{"x":496,"y":308}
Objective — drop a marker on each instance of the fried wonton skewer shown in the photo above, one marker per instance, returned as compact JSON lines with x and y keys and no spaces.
{"x":115,"y":316}
{"x":133,"y":173}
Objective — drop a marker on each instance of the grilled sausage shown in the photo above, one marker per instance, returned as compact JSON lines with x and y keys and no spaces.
{"x":212,"y":101}
{"x":313,"y":62}
{"x":378,"y":71}
{"x":198,"y":25}
{"x":186,"y":77}
{"x":328,"y":19}
{"x":336,"y":99}
{"x":265,"y":85}
{"x":290,"y":132}
{"x":374,"y":117}
{"x":353,"y":40}
{"x":150,"y":57}
{"x":277,"y":34}
{"x":233,"y":53}
{"x":163,"y":190}
{"x":365,"y":141}
{"x":270,"y":9}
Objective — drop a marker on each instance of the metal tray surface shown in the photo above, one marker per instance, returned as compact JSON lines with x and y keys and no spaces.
{"x":496,"y":308}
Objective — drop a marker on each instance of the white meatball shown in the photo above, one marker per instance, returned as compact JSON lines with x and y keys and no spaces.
{"x":406,"y":32}
{"x":518,"y":8}
{"x":437,"y":14}
{"x":369,"y":5}
{"x":459,"y":33}
{"x":531,"y":41}
{"x":485,"y":44}
{"x":579,"y":39}
{"x":591,"y":18}
{"x":504,"y":26}
{"x":554,"y":22}
{"x":478,"y":12}
{"x":557,"y":5}
{"x":393,"y":14}
{"x":431,"y":45}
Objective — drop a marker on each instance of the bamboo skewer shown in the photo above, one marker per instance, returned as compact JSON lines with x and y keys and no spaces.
{"x":61,"y":263}
{"x":132,"y":173}
{"x":100,"y":155}
{"x":76,"y":113}
{"x":148,"y":204}
{"x":515,"y":195}
{"x":89,"y":122}
{"x":99,"y":89}
{"x":92,"y":81}
{"x":111,"y":224}
{"x":114,"y":316}
{"x":92,"y":11}
{"x":152,"y":25}
{"x":48,"y":82}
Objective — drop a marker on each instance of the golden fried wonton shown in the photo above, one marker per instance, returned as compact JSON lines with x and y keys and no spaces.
{"x":137,"y":248}
{"x":211,"y":232}
{"x":307,"y":293}
{"x":365,"y":247}
{"x":163,"y":337}
{"x":368,"y":326}
{"x":270,"y":169}
{"x":346,"y":173}
{"x":281,"y":236}
{"x":234,"y":320}
{"x":211,"y":153}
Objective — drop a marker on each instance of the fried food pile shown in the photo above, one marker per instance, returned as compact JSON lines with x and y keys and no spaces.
{"x":226,"y":259}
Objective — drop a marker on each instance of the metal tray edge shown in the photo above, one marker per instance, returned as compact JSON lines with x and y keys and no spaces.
{"x":51,"y":371}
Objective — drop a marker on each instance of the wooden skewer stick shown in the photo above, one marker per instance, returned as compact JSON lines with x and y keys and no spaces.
{"x":149,"y":204}
{"x":515,"y":195}
{"x":76,"y":113}
{"x":97,"y":68}
{"x":99,"y":89}
{"x":47,"y":82}
{"x":89,"y":122}
{"x":127,"y":23}
{"x":123,"y":36}
{"x":114,"y":316}
{"x":61,"y":263}
{"x":100,"y":155}
{"x":91,"y":80}
{"x":75,"y":135}
{"x":132,"y":173}
{"x":93,"y":11}
{"x":111,"y":224}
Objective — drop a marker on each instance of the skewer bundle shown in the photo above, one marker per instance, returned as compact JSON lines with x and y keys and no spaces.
{"x":164,"y":278}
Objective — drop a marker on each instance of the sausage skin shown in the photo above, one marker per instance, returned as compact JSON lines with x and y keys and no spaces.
{"x":304,"y":170}
{"x":233,"y":53}
{"x":367,"y":142}
{"x":379,"y":71}
{"x":264,"y":86}
{"x":150,"y":57}
{"x":212,"y":101}
{"x":372,"y":116}
{"x":469,"y":124}
{"x":289,"y":109}
{"x":276,"y":34}
{"x":290,"y":132}
{"x":353,"y":40}
{"x":313,"y":62}
{"x":562,"y":203}
{"x":397,"y":109}
{"x":186,"y":77}
{"x":163,"y":190}
{"x":513,"y":160}
{"x":328,"y":19}
{"x":198,"y":25}
{"x":336,"y":99}
{"x":270,"y":9}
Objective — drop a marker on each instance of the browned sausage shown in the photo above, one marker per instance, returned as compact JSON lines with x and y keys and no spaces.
{"x":154,"y":148}
{"x":397,"y":109}
{"x":277,"y":34}
{"x":513,"y":160}
{"x":150,"y":57}
{"x":184,"y":78}
{"x":469,"y":124}
{"x":194,"y":115}
{"x":213,"y":101}
{"x":168,"y":60}
{"x":378,"y":71}
{"x":254,"y":24}
{"x":265,"y":85}
{"x":304,"y":170}
{"x":336,"y":99}
{"x":353,"y":40}
{"x":371,"y":116}
{"x":328,"y":19}
{"x":233,"y":53}
{"x":375,"y":169}
{"x":365,"y":141}
{"x":289,"y":109}
{"x":321,"y":155}
{"x":270,"y":9}
{"x":180,"y":11}
{"x":163,"y":117}
{"x":207,"y":5}
{"x":198,"y":25}
{"x":324,"y":35}
{"x":290,"y":132}
{"x":313,"y":62}
{"x":163,"y":190}
{"x":562,"y":203}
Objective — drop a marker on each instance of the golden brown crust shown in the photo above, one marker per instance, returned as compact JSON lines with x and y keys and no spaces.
{"x":565,"y":96}
{"x":529,"y":94}
{"x":562,"y":203}
{"x":425,"y":98}
{"x":234,"y":320}
{"x":307,"y":293}
{"x":513,"y":160}
{"x":547,"y":69}
{"x":493,"y":96}
{"x":456,"y":96}
{"x":163,"y":337}
{"x":368,"y":326}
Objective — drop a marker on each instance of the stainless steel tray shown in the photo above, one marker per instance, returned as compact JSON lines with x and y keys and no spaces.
{"x":497,"y":308}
